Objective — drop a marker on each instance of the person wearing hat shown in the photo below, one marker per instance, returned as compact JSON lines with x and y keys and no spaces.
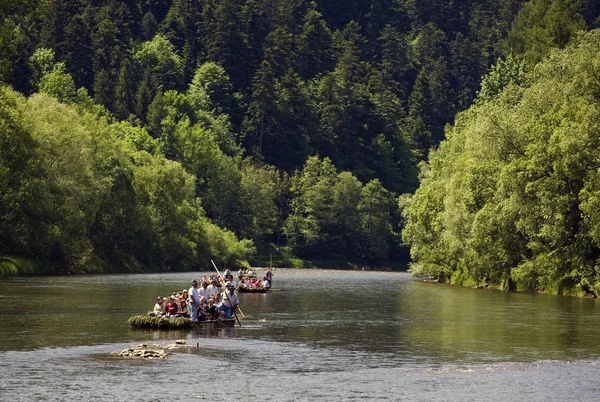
{"x":194,"y":300}
{"x":230,"y":300}
{"x":159,"y":307}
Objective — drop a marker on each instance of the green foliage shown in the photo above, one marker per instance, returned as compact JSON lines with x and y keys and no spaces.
{"x":150,"y":322}
{"x":225,"y":247}
{"x":509,"y":199}
{"x":59,"y":84}
{"x":375,"y":228}
{"x":513,"y":70}
{"x":18,"y":172}
{"x":312,"y":191}
{"x":83,"y":194}
{"x":211,"y":89}
{"x":158,"y":59}
{"x":13,"y":266}
{"x":333,"y":214}
{"x":314,"y":46}
{"x":280,"y":120}
{"x":149,"y":25}
{"x":261,"y":186}
{"x":41,"y":63}
{"x":542,"y":25}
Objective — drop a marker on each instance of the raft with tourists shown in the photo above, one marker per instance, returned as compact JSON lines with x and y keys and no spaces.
{"x":250,"y":282}
{"x":246,"y":289}
{"x":193,"y":308}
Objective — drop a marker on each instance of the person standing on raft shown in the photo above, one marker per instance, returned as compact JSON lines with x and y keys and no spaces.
{"x":269,"y":277}
{"x":194,"y":300}
{"x":229,"y":301}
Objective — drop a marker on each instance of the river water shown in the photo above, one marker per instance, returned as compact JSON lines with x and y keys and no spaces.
{"x":318,"y":336}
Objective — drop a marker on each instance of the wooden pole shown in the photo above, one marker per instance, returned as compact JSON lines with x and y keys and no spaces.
{"x":213,"y":263}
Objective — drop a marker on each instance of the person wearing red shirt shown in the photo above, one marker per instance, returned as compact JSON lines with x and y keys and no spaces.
{"x":172,"y":307}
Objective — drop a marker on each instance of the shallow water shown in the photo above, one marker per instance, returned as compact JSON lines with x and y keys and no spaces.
{"x":319,"y":335}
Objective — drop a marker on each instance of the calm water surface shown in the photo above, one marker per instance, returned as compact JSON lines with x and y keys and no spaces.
{"x":319,"y":335}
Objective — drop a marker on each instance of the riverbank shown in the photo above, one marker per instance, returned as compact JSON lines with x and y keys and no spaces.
{"x":281,"y":256}
{"x":15,"y":266}
{"x":270,"y":256}
{"x":18,"y":266}
{"x":564,"y":286}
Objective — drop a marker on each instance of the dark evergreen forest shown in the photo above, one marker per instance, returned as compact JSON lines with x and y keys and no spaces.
{"x":157,"y":134}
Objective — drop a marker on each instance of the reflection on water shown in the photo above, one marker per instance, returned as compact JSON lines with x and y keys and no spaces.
{"x":369,"y":311}
{"x":476,"y":325}
{"x":350,"y":332}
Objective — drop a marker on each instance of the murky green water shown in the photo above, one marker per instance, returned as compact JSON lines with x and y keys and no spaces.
{"x":320,"y":335}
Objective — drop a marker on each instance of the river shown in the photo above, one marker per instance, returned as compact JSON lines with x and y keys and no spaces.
{"x":320,"y":335}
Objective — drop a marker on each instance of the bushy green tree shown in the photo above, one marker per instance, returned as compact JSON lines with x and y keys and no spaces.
{"x":58,"y":83}
{"x":84,"y":193}
{"x":542,"y":25}
{"x":510,"y":71}
{"x":261,"y":186}
{"x":41,"y":62}
{"x":375,"y":223}
{"x":508,"y":198}
{"x":312,"y":191}
{"x":211,"y":90}
{"x":158,"y":59}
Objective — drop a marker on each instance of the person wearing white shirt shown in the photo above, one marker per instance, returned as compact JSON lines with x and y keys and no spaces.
{"x":194,"y":300}
{"x":204,"y":292}
{"x":214,"y":290}
{"x":229,"y":301}
{"x":159,"y":307}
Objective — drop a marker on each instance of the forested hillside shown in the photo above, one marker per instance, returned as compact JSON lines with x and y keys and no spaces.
{"x":157,"y":133}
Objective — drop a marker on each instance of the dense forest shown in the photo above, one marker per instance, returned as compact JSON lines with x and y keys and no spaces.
{"x":157,"y":134}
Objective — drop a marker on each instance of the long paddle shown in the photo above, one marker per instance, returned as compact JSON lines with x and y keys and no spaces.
{"x":236,"y":317}
{"x":213,"y":263}
{"x":241,"y":312}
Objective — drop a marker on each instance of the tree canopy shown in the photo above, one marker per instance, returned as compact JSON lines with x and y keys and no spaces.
{"x":510,"y":198}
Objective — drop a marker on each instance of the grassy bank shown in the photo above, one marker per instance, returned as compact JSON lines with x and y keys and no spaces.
{"x":564,"y":286}
{"x":18,"y":266}
{"x":13,"y":266}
